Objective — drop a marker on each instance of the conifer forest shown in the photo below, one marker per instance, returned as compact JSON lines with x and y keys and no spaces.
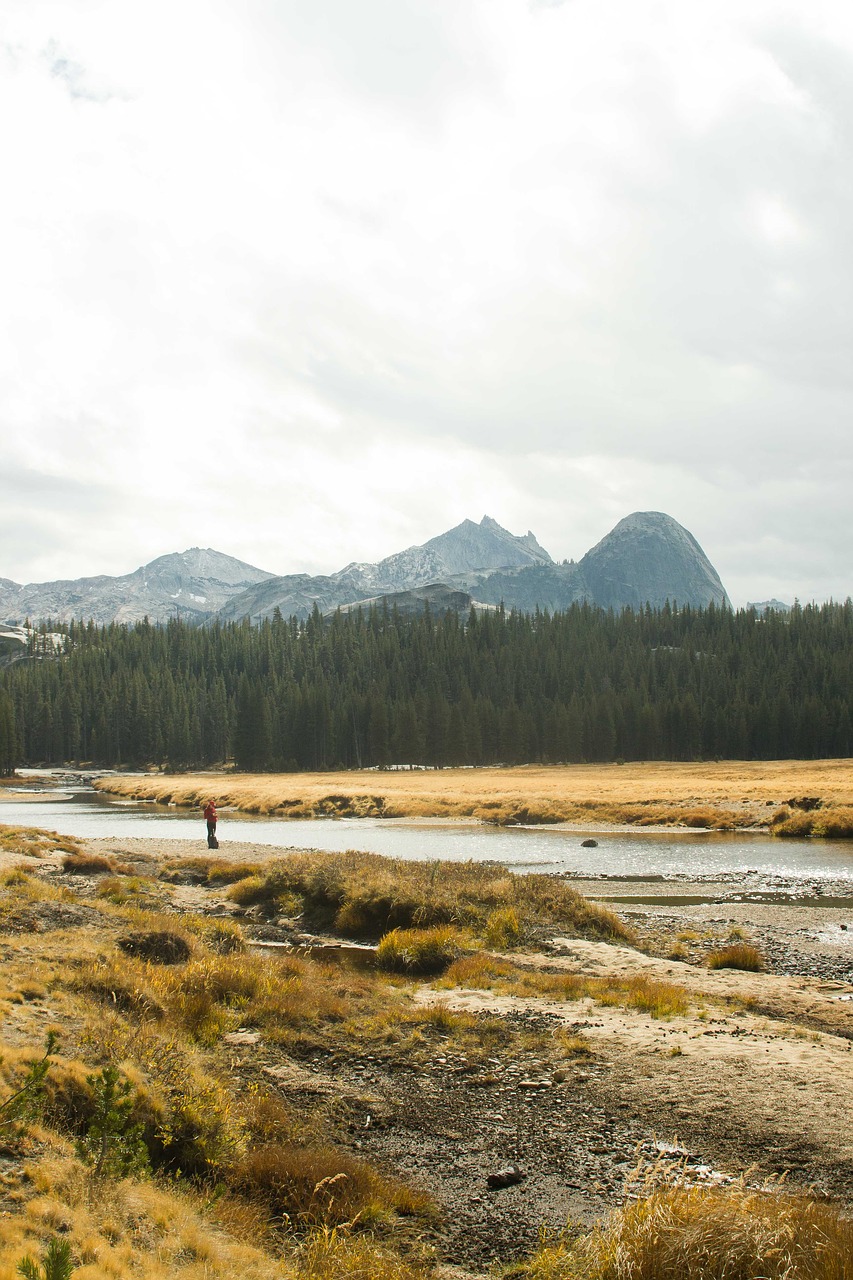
{"x":373,"y":687}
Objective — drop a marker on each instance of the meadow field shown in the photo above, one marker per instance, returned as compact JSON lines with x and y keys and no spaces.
{"x":721,"y":795}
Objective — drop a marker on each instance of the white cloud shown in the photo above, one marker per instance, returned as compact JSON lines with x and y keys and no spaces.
{"x":310,"y":282}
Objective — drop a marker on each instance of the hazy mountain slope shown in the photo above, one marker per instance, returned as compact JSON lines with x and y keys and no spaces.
{"x":195,"y":583}
{"x":650,"y":558}
{"x":295,"y":595}
{"x":545,"y":586}
{"x":469,"y":549}
{"x":465,"y":548}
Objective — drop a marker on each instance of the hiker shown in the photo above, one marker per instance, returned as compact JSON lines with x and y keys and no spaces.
{"x":210,"y":819}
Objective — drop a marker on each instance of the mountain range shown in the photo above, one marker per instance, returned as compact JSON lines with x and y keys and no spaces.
{"x":648,"y":558}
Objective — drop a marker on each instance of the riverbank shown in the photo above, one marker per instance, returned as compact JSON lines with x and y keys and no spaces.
{"x":725,"y":795}
{"x":547,"y":1057}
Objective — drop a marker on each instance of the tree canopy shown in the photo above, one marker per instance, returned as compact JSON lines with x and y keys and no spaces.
{"x":374,"y":687}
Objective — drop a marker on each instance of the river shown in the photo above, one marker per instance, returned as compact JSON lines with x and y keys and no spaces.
{"x":691,"y":855}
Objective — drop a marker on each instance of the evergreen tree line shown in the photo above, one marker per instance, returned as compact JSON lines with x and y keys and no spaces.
{"x":372,"y":687}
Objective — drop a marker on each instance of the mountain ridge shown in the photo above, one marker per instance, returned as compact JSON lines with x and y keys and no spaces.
{"x":647,"y":558}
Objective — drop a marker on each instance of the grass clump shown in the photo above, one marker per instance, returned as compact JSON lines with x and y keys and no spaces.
{"x":677,"y":1233}
{"x":502,"y":929}
{"x":738,"y":956}
{"x":420,"y":951}
{"x":365,"y":895}
{"x":330,"y":1254}
{"x":322,"y":1186}
{"x":210,"y":871}
{"x":835,"y":823}
{"x":35,"y":842}
{"x":87,"y":864}
{"x":482,"y":971}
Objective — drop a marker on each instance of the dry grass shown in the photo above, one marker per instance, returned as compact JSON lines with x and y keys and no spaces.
{"x":365,"y":895}
{"x":702,"y":794}
{"x":34,"y":842}
{"x":420,"y":951}
{"x":87,"y":864}
{"x":110,"y":1233}
{"x":738,"y":956}
{"x":835,"y":822}
{"x":208,"y":871}
{"x":698,"y":1234}
{"x":338,"y":1255}
{"x":322,"y":1186}
{"x":483,"y":971}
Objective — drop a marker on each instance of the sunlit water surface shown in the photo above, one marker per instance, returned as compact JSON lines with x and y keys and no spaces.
{"x":694,"y":855}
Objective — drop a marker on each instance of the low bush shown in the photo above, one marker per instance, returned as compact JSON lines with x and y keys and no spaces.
{"x":420,"y":951}
{"x":832,"y":824}
{"x":738,"y":956}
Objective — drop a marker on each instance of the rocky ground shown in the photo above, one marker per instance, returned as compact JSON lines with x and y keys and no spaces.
{"x":755,"y":1081}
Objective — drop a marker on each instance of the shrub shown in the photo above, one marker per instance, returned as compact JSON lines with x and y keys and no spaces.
{"x":56,"y":1263}
{"x":113,"y":1143}
{"x":25,"y":1103}
{"x":738,"y":956}
{"x":419,"y":951}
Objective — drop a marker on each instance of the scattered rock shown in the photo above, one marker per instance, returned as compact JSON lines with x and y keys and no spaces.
{"x":589,"y":844}
{"x":506,"y":1177}
{"x":242,"y":1036}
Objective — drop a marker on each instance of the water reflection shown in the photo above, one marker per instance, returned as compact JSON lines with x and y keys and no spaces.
{"x":88,"y":814}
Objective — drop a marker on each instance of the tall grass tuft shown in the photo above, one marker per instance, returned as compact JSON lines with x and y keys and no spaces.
{"x":322,"y":1186}
{"x":738,"y":956}
{"x":330,"y":1254}
{"x":421,"y":951}
{"x":365,"y":895}
{"x":835,"y":823}
{"x":700,"y":1234}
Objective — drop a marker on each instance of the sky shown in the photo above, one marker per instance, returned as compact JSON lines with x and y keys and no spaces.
{"x":311,"y":281}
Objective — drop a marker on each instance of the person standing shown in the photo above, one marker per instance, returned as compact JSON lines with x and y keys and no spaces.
{"x":210,"y":819}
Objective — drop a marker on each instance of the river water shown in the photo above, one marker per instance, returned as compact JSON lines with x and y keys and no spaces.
{"x":691,"y":855}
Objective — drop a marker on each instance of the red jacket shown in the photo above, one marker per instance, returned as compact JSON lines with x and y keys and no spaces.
{"x":210,"y":812}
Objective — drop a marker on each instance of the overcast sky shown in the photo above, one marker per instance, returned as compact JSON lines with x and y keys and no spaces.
{"x":310,"y":281}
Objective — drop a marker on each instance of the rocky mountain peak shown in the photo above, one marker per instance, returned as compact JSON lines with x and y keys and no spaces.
{"x":649,"y":558}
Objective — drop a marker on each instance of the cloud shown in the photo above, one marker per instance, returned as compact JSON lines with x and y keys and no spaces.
{"x":310,"y":282}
